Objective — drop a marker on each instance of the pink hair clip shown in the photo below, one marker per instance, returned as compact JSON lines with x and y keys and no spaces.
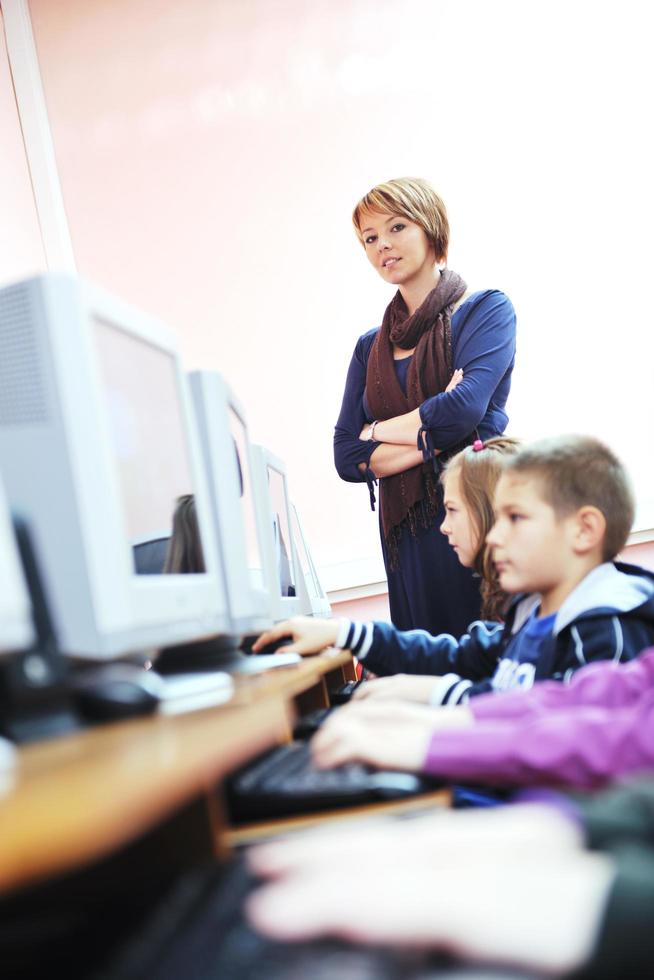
{"x":477,"y":445}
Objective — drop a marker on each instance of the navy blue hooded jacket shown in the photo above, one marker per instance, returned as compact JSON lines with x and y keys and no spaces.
{"x":609,"y":616}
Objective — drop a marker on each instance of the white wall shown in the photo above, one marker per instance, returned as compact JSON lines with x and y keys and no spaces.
{"x":210,"y":154}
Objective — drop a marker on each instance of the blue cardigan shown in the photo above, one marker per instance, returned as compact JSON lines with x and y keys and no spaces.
{"x":483,"y":346}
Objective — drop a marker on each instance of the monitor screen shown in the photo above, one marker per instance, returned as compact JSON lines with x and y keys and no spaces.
{"x":149,"y":444}
{"x":312,"y":594}
{"x":306,"y":565}
{"x":273,"y":519}
{"x":253,"y":555}
{"x":281,"y":532}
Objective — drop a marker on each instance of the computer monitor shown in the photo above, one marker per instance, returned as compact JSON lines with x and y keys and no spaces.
{"x":97,"y":448}
{"x":312,"y":595}
{"x":225,"y":446}
{"x":16,"y":627}
{"x":280,"y":566}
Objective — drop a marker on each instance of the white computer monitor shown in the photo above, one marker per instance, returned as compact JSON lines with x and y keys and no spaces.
{"x":281,"y":572}
{"x":311,"y":593}
{"x":225,"y":446}
{"x":97,"y":445}
{"x":16,"y":627}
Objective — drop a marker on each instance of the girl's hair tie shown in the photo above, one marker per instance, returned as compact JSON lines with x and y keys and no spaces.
{"x":477,"y":445}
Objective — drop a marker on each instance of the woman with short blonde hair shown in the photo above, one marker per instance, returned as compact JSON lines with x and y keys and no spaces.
{"x":431,"y":379}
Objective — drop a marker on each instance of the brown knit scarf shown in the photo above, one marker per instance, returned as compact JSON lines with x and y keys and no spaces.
{"x":411,"y":498}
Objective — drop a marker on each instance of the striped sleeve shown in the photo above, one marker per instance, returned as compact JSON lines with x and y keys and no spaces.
{"x":355,"y":637}
{"x":450,"y":689}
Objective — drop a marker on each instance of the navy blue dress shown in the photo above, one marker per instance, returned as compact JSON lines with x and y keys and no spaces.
{"x":429,"y":589}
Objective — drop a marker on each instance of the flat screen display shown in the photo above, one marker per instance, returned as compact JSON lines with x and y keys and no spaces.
{"x":252,"y":548}
{"x":282,"y":532}
{"x":305,"y":561}
{"x":149,"y":443}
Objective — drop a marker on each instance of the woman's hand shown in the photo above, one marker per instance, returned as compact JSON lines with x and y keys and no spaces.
{"x":403,"y":429}
{"x":387,"y":460}
{"x":308,"y":635}
{"x":456,"y":379}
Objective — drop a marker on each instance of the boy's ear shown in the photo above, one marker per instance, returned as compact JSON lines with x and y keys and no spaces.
{"x":590,"y":529}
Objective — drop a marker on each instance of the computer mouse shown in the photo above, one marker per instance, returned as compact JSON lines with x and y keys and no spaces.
{"x":112,"y":693}
{"x":275,"y":645}
{"x":245,"y":646}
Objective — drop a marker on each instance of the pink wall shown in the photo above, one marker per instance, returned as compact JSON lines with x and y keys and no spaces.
{"x":371,"y":607}
{"x":210,"y":154}
{"x":200,"y":147}
{"x":640,"y":554}
{"x":376,"y":607}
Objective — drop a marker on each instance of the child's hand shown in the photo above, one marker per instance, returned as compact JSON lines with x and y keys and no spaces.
{"x":480,"y":885}
{"x":456,"y":378}
{"x":309,"y":635}
{"x":389,"y":736}
{"x":509,"y":832}
{"x":399,"y":687}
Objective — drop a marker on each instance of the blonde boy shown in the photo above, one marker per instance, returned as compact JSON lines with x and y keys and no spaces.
{"x":564,"y":508}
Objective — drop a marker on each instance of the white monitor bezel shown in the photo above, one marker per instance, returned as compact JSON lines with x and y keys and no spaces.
{"x":213,"y":399}
{"x":127,"y":612}
{"x":314,"y":604}
{"x":282,"y":607}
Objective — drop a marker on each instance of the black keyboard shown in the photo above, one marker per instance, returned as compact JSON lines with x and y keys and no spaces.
{"x":285,"y":782}
{"x":198,"y":932}
{"x":308,"y":724}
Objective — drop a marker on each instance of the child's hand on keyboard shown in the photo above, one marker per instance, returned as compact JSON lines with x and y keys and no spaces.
{"x":480,"y":884}
{"x":508,"y":831}
{"x":399,"y":687}
{"x":308,"y":635}
{"x":388,"y":736}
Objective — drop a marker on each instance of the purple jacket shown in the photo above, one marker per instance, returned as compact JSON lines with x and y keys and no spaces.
{"x":582,"y":734}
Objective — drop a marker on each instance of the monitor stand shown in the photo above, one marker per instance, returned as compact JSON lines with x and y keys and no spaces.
{"x":35,"y":694}
{"x":218,"y":653}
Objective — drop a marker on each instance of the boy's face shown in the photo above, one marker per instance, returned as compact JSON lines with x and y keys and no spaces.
{"x":532,"y":547}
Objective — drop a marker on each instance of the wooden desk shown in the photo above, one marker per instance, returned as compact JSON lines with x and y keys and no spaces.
{"x":77,"y":798}
{"x":308,"y":681}
{"x":80,"y":798}
{"x":249,"y":833}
